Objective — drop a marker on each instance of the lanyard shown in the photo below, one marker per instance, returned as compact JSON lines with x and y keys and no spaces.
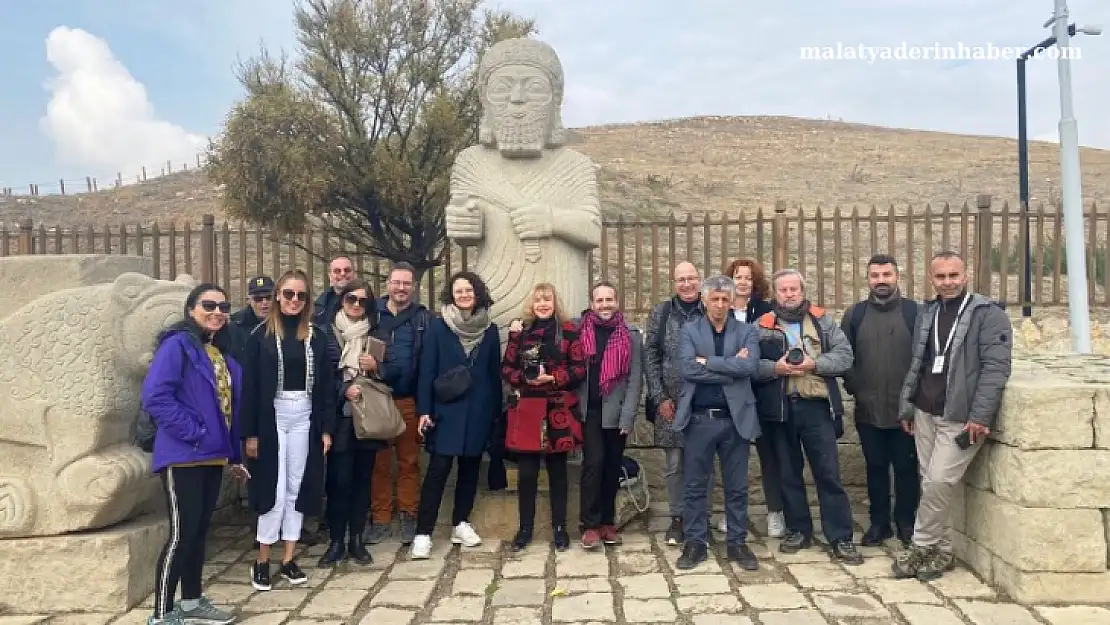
{"x":937,"y":353}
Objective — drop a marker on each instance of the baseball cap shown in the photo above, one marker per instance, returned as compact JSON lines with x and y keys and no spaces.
{"x":262,"y":285}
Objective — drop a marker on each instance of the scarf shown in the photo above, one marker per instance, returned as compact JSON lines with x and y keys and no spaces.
{"x":469,"y":327}
{"x":792,"y":315}
{"x":616,"y":362}
{"x":884,"y":303}
{"x":352,"y":337}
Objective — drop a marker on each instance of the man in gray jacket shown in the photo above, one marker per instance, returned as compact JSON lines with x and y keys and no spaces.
{"x":716,"y":414}
{"x":950,"y":400}
{"x":609,"y":399}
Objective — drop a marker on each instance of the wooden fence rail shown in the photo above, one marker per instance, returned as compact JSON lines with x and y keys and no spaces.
{"x":830,"y":247}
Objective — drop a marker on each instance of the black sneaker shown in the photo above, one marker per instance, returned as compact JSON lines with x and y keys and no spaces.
{"x":795,"y":541}
{"x":358,"y":551}
{"x":847,"y":553}
{"x":743,"y":555}
{"x":408,"y":528}
{"x":905,"y":535}
{"x":693,"y":554}
{"x":560,"y":538}
{"x":378,"y":533}
{"x":293,"y":573}
{"x":522,"y":539}
{"x":335,"y":554}
{"x":260,"y":576}
{"x":875,"y":535}
{"x":674,"y":534}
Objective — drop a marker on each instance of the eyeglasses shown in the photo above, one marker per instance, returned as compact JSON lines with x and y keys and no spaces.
{"x":290,"y":294}
{"x":400,"y":284}
{"x":258,"y":299}
{"x":211,"y":305}
{"x":343,"y":270}
{"x":354,"y":300}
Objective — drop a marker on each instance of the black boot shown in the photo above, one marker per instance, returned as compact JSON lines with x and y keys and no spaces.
{"x":523,"y":538}
{"x":560,"y":538}
{"x":333,"y":556}
{"x":358,"y":550}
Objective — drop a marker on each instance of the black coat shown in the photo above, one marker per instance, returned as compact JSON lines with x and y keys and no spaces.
{"x":344,"y":439}
{"x":258,"y":420}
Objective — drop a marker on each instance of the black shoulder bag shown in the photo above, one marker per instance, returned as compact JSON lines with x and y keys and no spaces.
{"x":453,"y":384}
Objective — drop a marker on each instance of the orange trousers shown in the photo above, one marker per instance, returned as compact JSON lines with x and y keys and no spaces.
{"x":407,"y":448}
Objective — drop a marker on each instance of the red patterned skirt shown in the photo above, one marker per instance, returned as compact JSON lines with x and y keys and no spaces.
{"x":545,"y":424}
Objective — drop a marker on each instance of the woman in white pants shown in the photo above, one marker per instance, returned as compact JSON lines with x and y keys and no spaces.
{"x":288,"y":421}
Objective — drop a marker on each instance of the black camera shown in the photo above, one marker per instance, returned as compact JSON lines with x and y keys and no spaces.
{"x":532,"y":362}
{"x":795,"y":356}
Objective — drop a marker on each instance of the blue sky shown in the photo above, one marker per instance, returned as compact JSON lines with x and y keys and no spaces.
{"x":97,"y":86}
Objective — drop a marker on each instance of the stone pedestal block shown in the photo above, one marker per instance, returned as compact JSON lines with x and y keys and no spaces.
{"x":26,"y":278}
{"x":108,"y":570}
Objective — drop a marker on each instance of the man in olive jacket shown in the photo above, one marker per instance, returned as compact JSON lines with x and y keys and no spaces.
{"x":950,"y":400}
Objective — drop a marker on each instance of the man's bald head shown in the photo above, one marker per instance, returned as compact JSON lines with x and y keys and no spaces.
{"x":687,"y":282}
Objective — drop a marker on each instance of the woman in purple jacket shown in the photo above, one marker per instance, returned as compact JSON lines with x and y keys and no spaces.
{"x":192,"y":395}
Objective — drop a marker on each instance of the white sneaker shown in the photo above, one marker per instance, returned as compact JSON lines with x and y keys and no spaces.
{"x":421,"y":547}
{"x":723,"y":525}
{"x":464,"y":534}
{"x":776,"y":524}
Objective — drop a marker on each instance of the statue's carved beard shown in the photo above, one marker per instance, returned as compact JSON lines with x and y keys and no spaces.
{"x":523,"y":136}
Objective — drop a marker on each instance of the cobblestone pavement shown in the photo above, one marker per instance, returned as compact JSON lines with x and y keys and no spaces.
{"x":632,"y":583}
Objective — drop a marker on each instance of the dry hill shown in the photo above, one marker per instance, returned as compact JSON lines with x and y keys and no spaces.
{"x":700,"y":164}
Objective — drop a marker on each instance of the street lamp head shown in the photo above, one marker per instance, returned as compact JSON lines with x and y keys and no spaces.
{"x":1093,"y":30}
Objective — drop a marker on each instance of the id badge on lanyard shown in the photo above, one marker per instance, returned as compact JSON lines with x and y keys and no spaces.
{"x":938,"y":354}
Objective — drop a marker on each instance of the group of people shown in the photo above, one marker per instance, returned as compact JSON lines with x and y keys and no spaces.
{"x":727,"y":362}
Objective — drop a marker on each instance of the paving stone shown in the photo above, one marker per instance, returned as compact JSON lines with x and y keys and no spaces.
{"x":270,"y":618}
{"x":354,"y":579}
{"x":702,"y":585}
{"x":138,"y":616}
{"x":761,"y":550}
{"x":962,"y":584}
{"x":649,"y":611}
{"x":902,"y":591}
{"x":24,"y":620}
{"x":88,"y":619}
{"x":228,"y":594}
{"x":918,"y":614}
{"x":518,"y":592}
{"x":338,"y":603}
{"x":528,"y":566}
{"x":586,"y":607}
{"x":404,"y":593}
{"x":710,"y":566}
{"x":418,"y":569}
{"x":305,"y":621}
{"x":635,"y":541}
{"x":774,"y":597}
{"x":872,"y":567}
{"x":637,"y":563}
{"x":388,"y":616}
{"x":813,"y":555}
{"x":1075,"y":615}
{"x":581,"y":563}
{"x":650,"y":586}
{"x":517,"y":616}
{"x":584,"y":584}
{"x":459,"y":610}
{"x":849,"y":605}
{"x":277,"y":599}
{"x":479,"y":560}
{"x":721,"y":619}
{"x":825,"y":576}
{"x":384,"y":554}
{"x":793,"y":617}
{"x":709,"y":604}
{"x":767,"y":573}
{"x":988,"y":613}
{"x":472,"y":582}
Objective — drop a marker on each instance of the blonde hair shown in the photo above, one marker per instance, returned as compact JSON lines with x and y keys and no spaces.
{"x":544,"y":288}
{"x":273,"y":320}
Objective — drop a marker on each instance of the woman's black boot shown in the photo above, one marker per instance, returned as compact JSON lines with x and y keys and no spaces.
{"x":333,"y":556}
{"x":560,"y":538}
{"x":523,"y":538}
{"x":357,"y":549}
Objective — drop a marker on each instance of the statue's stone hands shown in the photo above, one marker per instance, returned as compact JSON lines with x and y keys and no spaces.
{"x":463,"y":219}
{"x":534,"y":221}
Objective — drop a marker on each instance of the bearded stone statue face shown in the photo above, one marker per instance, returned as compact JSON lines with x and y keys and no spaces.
{"x":520,"y":107}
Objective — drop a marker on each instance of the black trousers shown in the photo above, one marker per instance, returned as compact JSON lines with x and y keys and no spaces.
{"x":601,"y":472}
{"x":191,"y":496}
{"x":435,"y":481}
{"x":883,"y":449}
{"x":348,"y":490}
{"x":528,"y":474}
{"x":770,"y":466}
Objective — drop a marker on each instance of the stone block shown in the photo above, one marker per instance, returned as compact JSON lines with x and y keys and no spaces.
{"x":1041,"y":587}
{"x":1053,"y":478}
{"x":1047,"y":411}
{"x":26,"y":278}
{"x":1037,"y":539}
{"x":107,"y":570}
{"x":978,"y":472}
{"x":1102,"y":419}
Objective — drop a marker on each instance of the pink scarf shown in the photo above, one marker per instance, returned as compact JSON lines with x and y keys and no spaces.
{"x":617,"y":360}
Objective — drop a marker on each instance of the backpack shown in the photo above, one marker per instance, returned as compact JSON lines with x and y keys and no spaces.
{"x":636,"y":496}
{"x":909,"y":313}
{"x":144,"y":429}
{"x":651,"y":409}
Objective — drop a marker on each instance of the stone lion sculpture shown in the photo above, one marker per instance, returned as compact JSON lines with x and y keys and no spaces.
{"x":71,"y":367}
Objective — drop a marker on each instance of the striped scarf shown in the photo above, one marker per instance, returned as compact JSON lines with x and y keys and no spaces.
{"x":616,"y":362}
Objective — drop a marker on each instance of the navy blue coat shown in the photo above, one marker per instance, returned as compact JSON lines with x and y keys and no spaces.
{"x":461,"y":428}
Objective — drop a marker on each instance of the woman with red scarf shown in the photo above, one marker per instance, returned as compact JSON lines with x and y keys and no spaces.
{"x":543,"y":364}
{"x":610,"y":398}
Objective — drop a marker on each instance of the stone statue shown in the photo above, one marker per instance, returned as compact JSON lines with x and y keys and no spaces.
{"x":528,"y":203}
{"x":72,"y":363}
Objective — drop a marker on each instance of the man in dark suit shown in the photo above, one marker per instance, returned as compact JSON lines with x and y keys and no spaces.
{"x":716,"y":415}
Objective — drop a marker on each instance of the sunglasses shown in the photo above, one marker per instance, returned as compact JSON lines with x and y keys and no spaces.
{"x":290,"y":294}
{"x":209,"y":306}
{"x":260,"y":298}
{"x":354,"y":300}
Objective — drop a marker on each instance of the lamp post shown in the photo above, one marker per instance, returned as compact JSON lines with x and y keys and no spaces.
{"x":1023,"y":157}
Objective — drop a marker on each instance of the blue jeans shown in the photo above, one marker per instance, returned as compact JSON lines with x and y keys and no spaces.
{"x":704,"y":438}
{"x":809,"y":428}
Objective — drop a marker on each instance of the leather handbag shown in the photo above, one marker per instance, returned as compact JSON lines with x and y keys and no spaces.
{"x":374,"y":414}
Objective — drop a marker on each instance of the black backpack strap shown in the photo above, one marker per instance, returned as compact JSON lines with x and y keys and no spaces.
{"x":383,"y":329}
{"x":664,"y":323}
{"x":856,"y":320}
{"x":909,"y":313}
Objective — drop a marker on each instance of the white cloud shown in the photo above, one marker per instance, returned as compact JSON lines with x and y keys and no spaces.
{"x":99,"y":115}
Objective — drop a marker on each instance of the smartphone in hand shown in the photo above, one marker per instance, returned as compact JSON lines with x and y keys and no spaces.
{"x":964,"y":440}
